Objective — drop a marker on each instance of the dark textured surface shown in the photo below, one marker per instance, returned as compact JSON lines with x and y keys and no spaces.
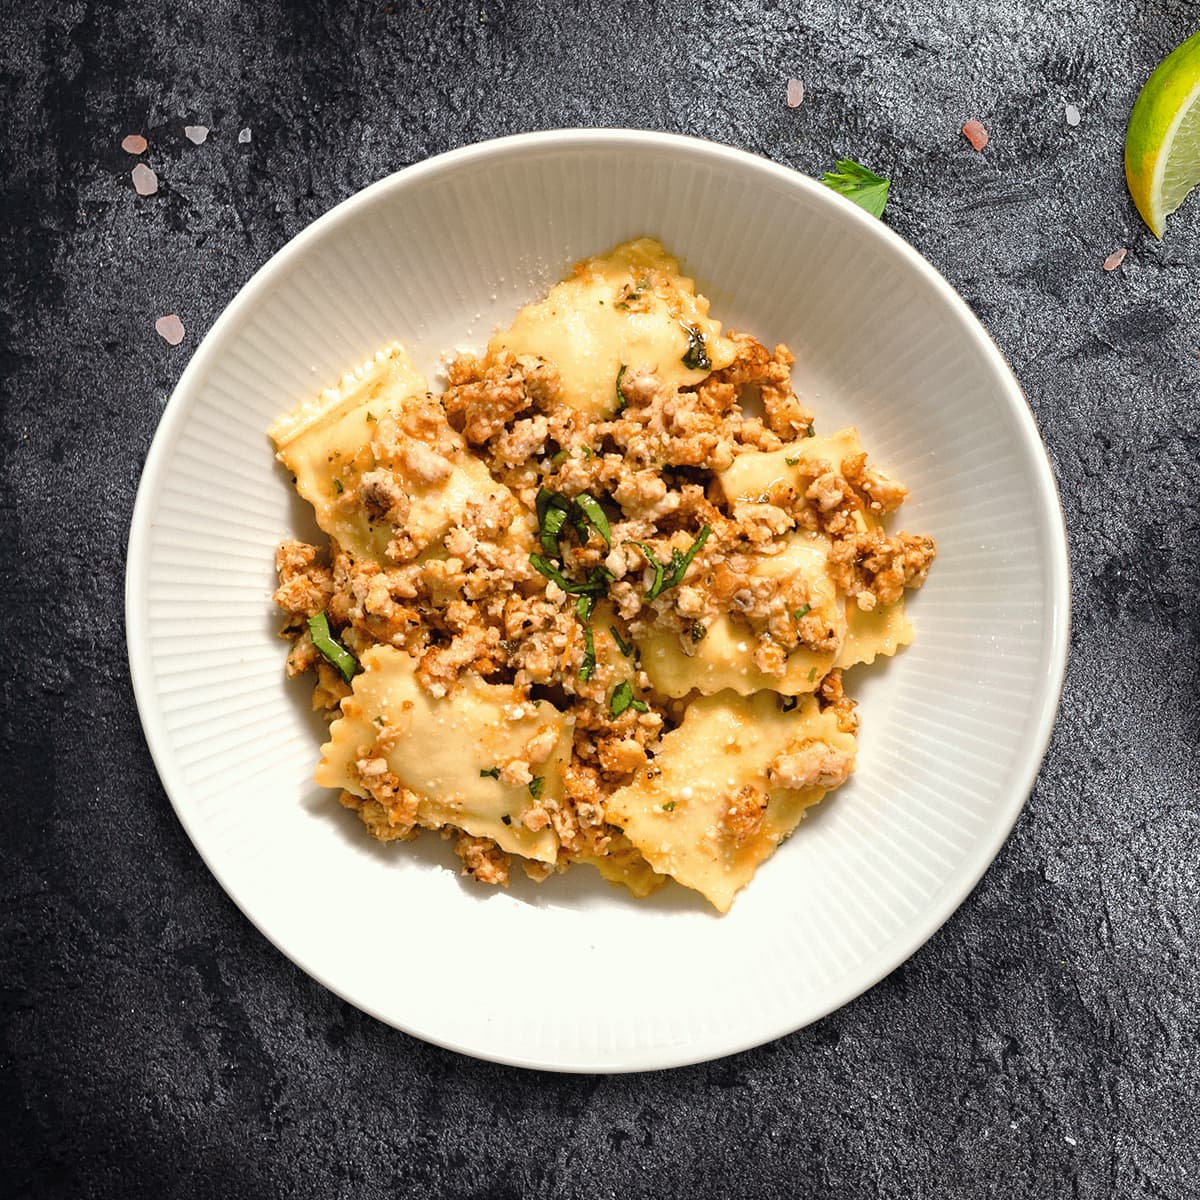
{"x":1043,"y":1044}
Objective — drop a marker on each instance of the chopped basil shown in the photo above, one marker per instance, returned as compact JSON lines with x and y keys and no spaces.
{"x":330,"y":647}
{"x":802,"y":611}
{"x":670,"y":574}
{"x":554,"y":510}
{"x":696,"y":358}
{"x":584,"y":607}
{"x":669,"y":806}
{"x":812,"y":674}
{"x":490,"y":773}
{"x":551,"y":529}
{"x":595,"y":515}
{"x":626,"y":648}
{"x":588,"y":453}
{"x":810,"y":430}
{"x":595,"y":584}
{"x":621,"y":401}
{"x":536,"y":784}
{"x":659,"y":569}
{"x":589,"y":653}
{"x":791,"y":462}
{"x":546,"y":500}
{"x":623,"y":698}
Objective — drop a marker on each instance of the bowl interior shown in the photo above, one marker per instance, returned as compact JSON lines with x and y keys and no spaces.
{"x":573,"y":974}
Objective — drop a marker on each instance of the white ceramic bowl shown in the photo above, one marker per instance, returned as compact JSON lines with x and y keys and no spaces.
{"x":574,"y":975}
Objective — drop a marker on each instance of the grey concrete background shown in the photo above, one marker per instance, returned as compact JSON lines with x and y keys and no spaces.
{"x":1043,"y":1044}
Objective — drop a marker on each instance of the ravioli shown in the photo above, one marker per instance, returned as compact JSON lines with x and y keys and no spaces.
{"x":724,"y":658}
{"x":869,"y":634}
{"x":497,"y":662}
{"x":447,"y":749}
{"x":753,"y":473}
{"x":675,"y":810}
{"x":358,"y":428}
{"x":628,"y":308}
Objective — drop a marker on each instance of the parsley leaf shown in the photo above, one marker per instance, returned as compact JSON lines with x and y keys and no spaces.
{"x":857,"y":183}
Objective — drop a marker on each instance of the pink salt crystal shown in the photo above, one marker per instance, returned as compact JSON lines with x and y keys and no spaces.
{"x":975,"y":133}
{"x":795,"y":93}
{"x":170,"y":329}
{"x":1115,"y":259}
{"x":134,"y":144}
{"x":145,"y":182}
{"x":197,"y":134}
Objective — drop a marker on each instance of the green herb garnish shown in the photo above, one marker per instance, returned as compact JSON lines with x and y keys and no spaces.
{"x":536,"y":784}
{"x":584,"y":607}
{"x":589,"y":654}
{"x":626,"y":648}
{"x":659,"y":570}
{"x":669,"y":806}
{"x":670,"y":574}
{"x":595,"y":584}
{"x":857,"y":183}
{"x":595,"y":515}
{"x":490,"y":773}
{"x":623,"y":698}
{"x":791,"y":462}
{"x":810,"y":431}
{"x":812,"y":674}
{"x":551,"y":530}
{"x":802,"y":611}
{"x":338,"y":486}
{"x":696,"y":358}
{"x":621,"y":401}
{"x":330,"y":647}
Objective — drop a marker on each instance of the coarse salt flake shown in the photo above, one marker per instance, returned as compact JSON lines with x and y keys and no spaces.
{"x":1072,"y":114}
{"x":145,"y":181}
{"x":795,"y":93}
{"x":196,"y":133}
{"x":976,"y":134}
{"x":134,"y":143}
{"x":1070,"y":1141}
{"x":244,"y":134}
{"x":170,"y":329}
{"x":1115,"y":259}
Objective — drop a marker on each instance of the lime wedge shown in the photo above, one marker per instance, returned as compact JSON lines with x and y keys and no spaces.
{"x":1162,"y":143}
